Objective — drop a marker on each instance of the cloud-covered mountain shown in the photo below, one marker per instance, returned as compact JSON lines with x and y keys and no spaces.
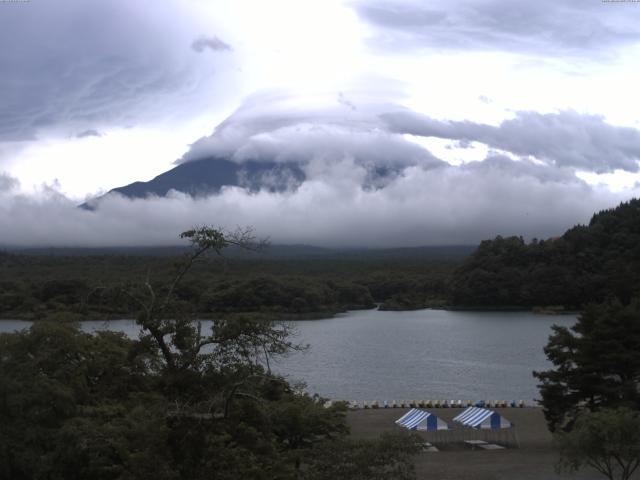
{"x":413,"y":123}
{"x":207,"y":176}
{"x":269,"y":145}
{"x":344,"y":172}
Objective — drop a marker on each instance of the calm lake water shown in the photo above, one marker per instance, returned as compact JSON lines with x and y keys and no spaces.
{"x":425,"y":354}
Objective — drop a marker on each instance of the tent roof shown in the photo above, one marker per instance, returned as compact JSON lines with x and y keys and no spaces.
{"x":421,"y":420}
{"x":481,"y":417}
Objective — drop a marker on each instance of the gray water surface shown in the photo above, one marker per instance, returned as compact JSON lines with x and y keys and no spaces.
{"x":424,"y":354}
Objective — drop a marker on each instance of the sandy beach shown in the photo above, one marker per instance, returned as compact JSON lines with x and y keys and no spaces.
{"x":535,"y":459}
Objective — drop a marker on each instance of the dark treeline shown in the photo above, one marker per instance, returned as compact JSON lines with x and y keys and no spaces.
{"x":37,"y":286}
{"x":587,"y":264}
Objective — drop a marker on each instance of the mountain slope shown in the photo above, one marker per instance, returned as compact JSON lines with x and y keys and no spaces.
{"x":209,"y":175}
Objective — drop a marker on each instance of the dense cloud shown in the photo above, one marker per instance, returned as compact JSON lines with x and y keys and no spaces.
{"x":276,"y":127}
{"x":443,"y":205}
{"x":7,"y":183}
{"x":72,"y":66}
{"x":417,"y":199}
{"x":566,"y":139}
{"x":541,"y":27}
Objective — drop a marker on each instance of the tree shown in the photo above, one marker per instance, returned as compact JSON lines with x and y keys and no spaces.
{"x":229,"y":359}
{"x":596,"y":364}
{"x":176,"y":403}
{"x":165,"y":324}
{"x":55,"y":381}
{"x":608,"y":441}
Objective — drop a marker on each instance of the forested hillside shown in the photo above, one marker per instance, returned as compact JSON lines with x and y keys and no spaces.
{"x":586,"y":264}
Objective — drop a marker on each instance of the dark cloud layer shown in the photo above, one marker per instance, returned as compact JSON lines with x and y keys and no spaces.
{"x":8,"y":183}
{"x":75,"y":65}
{"x":589,"y":28}
{"x":89,"y":133}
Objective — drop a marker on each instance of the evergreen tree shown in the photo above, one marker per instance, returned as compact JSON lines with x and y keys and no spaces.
{"x":596,"y":363}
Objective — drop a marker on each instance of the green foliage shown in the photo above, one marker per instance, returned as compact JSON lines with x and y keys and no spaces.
{"x":81,"y":406}
{"x":284,"y":294}
{"x":300,"y":422}
{"x":178,"y":403}
{"x":608,"y":441}
{"x":127,"y":441}
{"x":52,"y":375}
{"x":92,"y":286}
{"x":596,"y":363}
{"x":587,"y":264}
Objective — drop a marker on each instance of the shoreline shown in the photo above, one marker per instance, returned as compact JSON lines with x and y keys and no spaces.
{"x":287,"y":316}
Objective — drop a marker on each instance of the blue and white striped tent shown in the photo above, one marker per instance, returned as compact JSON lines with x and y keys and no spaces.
{"x":476,"y":417}
{"x":416,"y":419}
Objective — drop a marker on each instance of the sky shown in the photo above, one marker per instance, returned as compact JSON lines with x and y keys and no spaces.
{"x":492,"y":117}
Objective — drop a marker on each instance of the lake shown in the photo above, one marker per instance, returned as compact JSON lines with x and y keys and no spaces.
{"x":424,"y":354}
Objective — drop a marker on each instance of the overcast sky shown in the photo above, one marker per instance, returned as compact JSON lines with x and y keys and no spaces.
{"x":495,"y":117}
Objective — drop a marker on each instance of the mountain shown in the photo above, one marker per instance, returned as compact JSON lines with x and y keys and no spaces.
{"x":206,"y":176}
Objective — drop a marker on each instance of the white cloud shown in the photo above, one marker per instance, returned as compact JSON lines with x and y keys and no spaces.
{"x":89,"y":164}
{"x":543,"y":27}
{"x":8,"y":183}
{"x":444,"y":205}
{"x":127,"y":70}
{"x":565,"y":139}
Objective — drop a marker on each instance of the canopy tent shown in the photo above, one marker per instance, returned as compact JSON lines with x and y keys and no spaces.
{"x":476,"y":417}
{"x":416,"y":419}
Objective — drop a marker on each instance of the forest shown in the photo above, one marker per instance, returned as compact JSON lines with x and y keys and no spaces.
{"x":588,"y":263}
{"x":92,"y":286}
{"x":175,"y":403}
